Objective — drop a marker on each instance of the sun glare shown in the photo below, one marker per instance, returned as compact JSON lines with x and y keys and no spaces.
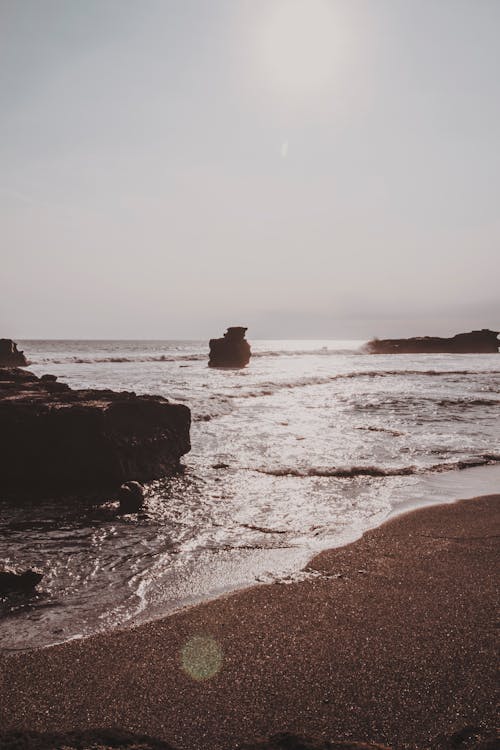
{"x":298,"y":44}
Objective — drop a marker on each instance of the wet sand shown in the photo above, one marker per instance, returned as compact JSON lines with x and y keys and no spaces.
{"x":390,"y":639}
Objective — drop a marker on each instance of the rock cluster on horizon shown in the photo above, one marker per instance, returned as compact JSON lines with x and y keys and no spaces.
{"x":58,"y":439}
{"x":10,"y":356}
{"x":232,"y":350}
{"x":475,"y":342}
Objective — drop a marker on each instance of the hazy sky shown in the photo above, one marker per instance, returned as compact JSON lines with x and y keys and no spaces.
{"x":305,"y":167}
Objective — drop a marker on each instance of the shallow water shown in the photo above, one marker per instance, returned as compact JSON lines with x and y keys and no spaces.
{"x":315,"y":443}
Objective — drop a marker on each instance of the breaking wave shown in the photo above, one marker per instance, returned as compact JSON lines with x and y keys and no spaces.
{"x":322,"y":352}
{"x":269,"y":388}
{"x":407,"y":400}
{"x":117,"y":360}
{"x":379,"y":471}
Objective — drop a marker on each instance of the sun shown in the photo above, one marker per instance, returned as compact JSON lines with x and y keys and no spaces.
{"x":298,"y":45}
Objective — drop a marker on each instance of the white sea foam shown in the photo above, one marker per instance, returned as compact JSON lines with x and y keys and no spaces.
{"x":305,"y":448}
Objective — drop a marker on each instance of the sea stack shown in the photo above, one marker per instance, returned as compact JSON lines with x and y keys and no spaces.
{"x":474,"y":342}
{"x":10,"y":356}
{"x":232,"y":350}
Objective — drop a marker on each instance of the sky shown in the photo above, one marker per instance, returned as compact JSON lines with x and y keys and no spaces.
{"x":308,"y":168}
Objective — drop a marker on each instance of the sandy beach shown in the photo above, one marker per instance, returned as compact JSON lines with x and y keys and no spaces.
{"x":390,"y":639}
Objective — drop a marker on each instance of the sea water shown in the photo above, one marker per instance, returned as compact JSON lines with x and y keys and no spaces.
{"x":304,"y":449}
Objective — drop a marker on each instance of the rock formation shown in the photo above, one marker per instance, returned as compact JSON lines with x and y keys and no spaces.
{"x":9,"y":354}
{"x":81,"y":739}
{"x":286,"y":741}
{"x":131,"y":497}
{"x":475,"y":342}
{"x":119,"y":739}
{"x":13,"y":581}
{"x":232,"y":350}
{"x":57,"y":439}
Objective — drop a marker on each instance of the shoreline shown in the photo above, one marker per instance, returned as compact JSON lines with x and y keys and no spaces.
{"x":388,"y":639}
{"x":444,"y":487}
{"x":283,"y":565}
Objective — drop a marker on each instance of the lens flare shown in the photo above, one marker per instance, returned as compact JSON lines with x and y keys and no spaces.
{"x":201,"y":657}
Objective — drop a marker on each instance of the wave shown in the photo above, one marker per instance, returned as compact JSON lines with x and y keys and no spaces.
{"x":468,"y":402}
{"x":395,"y":433}
{"x":74,"y":360}
{"x":79,"y":360}
{"x":416,"y":401}
{"x":322,"y":352}
{"x":82,"y":360}
{"x":269,"y":388}
{"x":379,"y":471}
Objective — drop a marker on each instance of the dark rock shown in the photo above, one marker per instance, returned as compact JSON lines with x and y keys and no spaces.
{"x":131,"y":497}
{"x":51,"y":385}
{"x":469,"y":737}
{"x":475,"y":342}
{"x":86,"y":739}
{"x":232,"y":350}
{"x":10,"y":356}
{"x":12,"y":581}
{"x":57,"y":439}
{"x":285,"y":741}
{"x":117,"y":739}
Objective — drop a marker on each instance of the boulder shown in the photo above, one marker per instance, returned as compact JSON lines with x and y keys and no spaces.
{"x":55,"y":439}
{"x":131,"y":497}
{"x":10,"y":356}
{"x":474,"y":342}
{"x":232,"y":350}
{"x":13,"y":581}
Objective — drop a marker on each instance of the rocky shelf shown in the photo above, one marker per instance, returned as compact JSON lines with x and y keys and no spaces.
{"x":10,"y":356}
{"x":475,"y":342}
{"x":57,"y":439}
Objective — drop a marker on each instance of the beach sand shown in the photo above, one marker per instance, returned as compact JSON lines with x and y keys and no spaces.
{"x":390,"y":639}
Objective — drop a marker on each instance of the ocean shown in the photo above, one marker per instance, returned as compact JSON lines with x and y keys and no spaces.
{"x":311,"y":444}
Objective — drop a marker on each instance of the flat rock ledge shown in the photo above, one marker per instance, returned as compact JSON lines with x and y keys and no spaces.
{"x":10,"y":356}
{"x":57,"y":439}
{"x":474,"y":342}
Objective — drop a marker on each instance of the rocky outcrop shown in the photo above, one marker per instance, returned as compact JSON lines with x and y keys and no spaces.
{"x":118,"y":739}
{"x":9,"y":354}
{"x":286,"y":741}
{"x":13,"y":582}
{"x":57,"y":439}
{"x":131,"y":497}
{"x":232,"y":350}
{"x":82,"y":739}
{"x":475,"y":342}
{"x":469,"y":738}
